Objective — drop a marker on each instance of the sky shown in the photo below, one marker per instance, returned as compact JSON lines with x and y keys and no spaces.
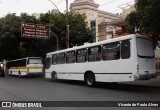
{"x":42,"y":6}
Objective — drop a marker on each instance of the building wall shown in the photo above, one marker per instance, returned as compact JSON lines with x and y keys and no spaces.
{"x":92,"y":13}
{"x":127,"y":10}
{"x":90,"y":10}
{"x":104,"y":29}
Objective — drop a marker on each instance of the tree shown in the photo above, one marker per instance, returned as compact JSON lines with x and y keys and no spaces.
{"x":78,"y":31}
{"x":133,"y":22}
{"x":9,"y":37}
{"x":13,"y":46}
{"x":146,"y":18}
{"x":150,"y":16}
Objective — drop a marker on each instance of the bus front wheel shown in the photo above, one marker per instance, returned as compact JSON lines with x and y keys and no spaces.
{"x":90,"y":80}
{"x":54,"y":76}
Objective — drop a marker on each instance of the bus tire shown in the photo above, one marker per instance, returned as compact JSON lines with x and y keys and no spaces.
{"x":54,"y":76}
{"x":19,"y":74}
{"x":90,"y":79}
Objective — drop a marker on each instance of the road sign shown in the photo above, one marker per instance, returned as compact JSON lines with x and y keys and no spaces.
{"x":30,"y":30}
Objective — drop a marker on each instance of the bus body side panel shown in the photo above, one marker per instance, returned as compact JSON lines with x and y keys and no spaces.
{"x":17,"y":70}
{"x":115,"y":71}
{"x":34,"y":69}
{"x":48,"y":73}
{"x":109,"y":73}
{"x":63,"y":71}
{"x":23,"y":72}
{"x":76,"y":73}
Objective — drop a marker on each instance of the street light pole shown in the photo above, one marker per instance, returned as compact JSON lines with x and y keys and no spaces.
{"x":67,"y":25}
{"x":54,"y":5}
{"x":51,"y":31}
{"x":56,"y":37}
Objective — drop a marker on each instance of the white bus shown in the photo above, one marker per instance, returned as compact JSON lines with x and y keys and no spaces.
{"x":25,"y":66}
{"x":127,"y":58}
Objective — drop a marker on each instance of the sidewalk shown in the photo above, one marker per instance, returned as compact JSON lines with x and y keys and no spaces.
{"x":150,"y":83}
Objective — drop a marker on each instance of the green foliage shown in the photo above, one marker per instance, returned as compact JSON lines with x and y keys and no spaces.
{"x":13,"y":46}
{"x":9,"y":36}
{"x":146,"y":18}
{"x":133,"y":22}
{"x":150,"y":16}
{"x":78,"y":31}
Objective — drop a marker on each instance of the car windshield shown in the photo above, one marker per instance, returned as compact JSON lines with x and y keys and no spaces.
{"x":145,"y":48}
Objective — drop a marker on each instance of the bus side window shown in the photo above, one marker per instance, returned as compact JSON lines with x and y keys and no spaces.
{"x":81,"y":55}
{"x":47,"y":62}
{"x":125,"y":49}
{"x":54,"y":59}
{"x":94,"y":54}
{"x":61,"y":58}
{"x":111,"y":51}
{"x":70,"y":57}
{"x":22,"y":62}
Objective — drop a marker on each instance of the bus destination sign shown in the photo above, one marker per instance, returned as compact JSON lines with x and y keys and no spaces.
{"x":30,"y":30}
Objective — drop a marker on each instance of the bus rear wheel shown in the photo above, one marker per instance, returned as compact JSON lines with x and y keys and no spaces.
{"x":90,"y":80}
{"x":54,"y":76}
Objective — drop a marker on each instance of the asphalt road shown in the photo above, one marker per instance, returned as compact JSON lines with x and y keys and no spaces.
{"x":41,"y":89}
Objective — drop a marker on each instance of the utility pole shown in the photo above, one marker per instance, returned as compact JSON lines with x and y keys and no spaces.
{"x":67,"y":26}
{"x":51,"y":31}
{"x":54,"y":5}
{"x":56,"y":37}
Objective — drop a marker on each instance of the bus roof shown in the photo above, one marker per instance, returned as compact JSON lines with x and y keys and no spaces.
{"x":24,"y":58}
{"x":97,"y":43}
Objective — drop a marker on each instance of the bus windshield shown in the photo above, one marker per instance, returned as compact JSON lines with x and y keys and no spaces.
{"x":145,"y":48}
{"x":34,"y":61}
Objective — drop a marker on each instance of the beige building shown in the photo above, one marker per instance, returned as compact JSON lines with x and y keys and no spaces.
{"x":104,"y":25}
{"x":127,"y":10}
{"x":36,"y":15}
